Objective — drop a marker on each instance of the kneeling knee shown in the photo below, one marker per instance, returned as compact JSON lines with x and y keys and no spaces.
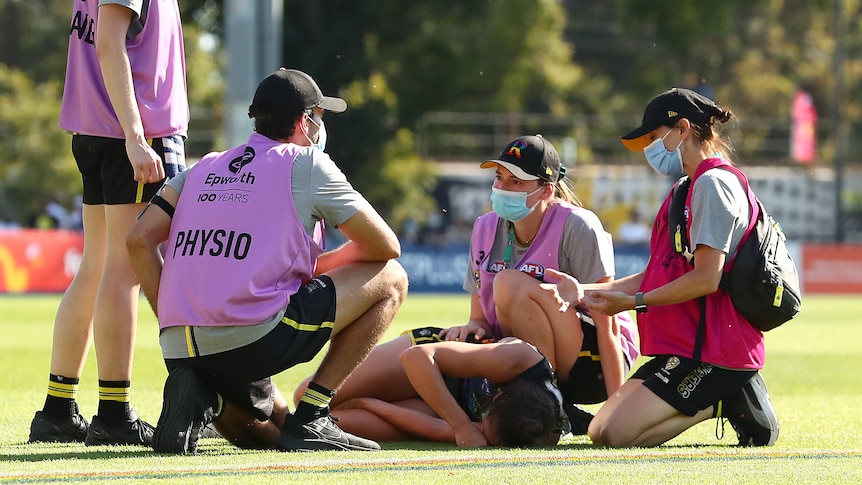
{"x":397,"y":279}
{"x":606,"y":436}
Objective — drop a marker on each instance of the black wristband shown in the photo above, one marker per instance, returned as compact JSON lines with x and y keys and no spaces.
{"x":640,"y":306}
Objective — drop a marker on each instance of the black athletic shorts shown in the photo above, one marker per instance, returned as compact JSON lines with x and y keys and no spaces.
{"x":690,"y":386}
{"x":586,"y":382}
{"x":242,"y":375}
{"x":108,"y":175}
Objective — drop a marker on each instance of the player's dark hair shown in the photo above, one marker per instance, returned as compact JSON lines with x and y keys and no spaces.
{"x":525,"y":413}
{"x":276,"y":127}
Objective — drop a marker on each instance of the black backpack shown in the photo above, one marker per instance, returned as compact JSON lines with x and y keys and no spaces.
{"x":761,"y":278}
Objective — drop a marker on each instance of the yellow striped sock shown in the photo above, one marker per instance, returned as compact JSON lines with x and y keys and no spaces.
{"x":315,"y":398}
{"x":118,"y":391}
{"x":63,"y":390}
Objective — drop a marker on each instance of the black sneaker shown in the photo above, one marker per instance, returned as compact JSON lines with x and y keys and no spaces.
{"x":752,"y":416}
{"x":320,"y":434}
{"x":186,"y":411}
{"x":579,"y":419}
{"x":133,"y":431}
{"x":48,"y":428}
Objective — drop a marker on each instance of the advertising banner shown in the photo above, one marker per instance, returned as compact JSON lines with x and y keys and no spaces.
{"x":831,"y":268}
{"x":33,"y":260}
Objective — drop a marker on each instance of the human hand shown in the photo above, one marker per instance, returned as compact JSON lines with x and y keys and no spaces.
{"x":146,"y":163}
{"x":470,"y":436}
{"x":567,"y":290}
{"x":608,"y":302}
{"x":463,"y":333}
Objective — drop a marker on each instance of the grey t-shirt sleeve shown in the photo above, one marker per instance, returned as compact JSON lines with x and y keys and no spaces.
{"x":178,"y":182}
{"x":720,"y":211}
{"x":586,"y":249}
{"x":470,"y":281}
{"x":321,"y":191}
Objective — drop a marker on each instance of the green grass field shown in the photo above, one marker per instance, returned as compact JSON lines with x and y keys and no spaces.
{"x":813,"y":373}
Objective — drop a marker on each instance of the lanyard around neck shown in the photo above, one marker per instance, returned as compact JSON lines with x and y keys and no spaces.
{"x":507,"y":256}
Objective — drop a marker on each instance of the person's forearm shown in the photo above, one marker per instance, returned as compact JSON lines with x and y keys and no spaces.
{"x":410,"y":421}
{"x":610,"y":350}
{"x":425,"y":377}
{"x":628,"y":284}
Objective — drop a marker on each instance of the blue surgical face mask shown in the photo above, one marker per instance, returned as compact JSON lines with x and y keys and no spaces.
{"x":510,"y":205}
{"x":663,"y":161}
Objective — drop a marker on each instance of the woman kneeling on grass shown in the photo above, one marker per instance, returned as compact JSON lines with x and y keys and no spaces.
{"x":706,"y":356}
{"x":417,"y":387}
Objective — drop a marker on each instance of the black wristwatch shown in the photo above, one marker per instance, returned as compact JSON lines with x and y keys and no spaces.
{"x":640,"y":306}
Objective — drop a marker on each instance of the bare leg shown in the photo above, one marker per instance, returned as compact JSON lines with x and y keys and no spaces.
{"x":380,"y":375}
{"x":116,"y":310}
{"x":368,"y":425}
{"x":73,"y":324}
{"x":526,"y":311}
{"x":635,"y":416}
{"x":369,"y":295}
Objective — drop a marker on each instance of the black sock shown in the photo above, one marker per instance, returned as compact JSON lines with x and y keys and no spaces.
{"x":60,"y":401}
{"x":315,"y":400}
{"x":114,"y":401}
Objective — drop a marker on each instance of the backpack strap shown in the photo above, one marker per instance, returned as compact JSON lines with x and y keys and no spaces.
{"x":701,"y":331}
{"x":754,"y":210}
{"x":676,"y":221}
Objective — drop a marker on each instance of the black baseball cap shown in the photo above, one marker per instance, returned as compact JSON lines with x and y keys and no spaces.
{"x":530,"y":157}
{"x":288,"y":91}
{"x":666,"y":109}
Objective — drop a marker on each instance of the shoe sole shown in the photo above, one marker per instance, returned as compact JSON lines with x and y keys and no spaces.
{"x":761,"y":408}
{"x":289,"y":443}
{"x":174,"y":430}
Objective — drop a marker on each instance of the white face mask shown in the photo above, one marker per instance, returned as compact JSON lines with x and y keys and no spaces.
{"x":662,"y":160}
{"x":313,"y":135}
{"x":321,"y":137}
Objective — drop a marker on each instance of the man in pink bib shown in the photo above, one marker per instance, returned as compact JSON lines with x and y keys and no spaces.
{"x":246,"y":289}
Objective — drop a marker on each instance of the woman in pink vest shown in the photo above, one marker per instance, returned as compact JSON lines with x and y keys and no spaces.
{"x":538,"y":225}
{"x":706,"y":355}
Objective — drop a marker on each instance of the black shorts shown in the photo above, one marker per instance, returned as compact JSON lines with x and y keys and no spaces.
{"x":690,"y":386}
{"x":107,"y":174}
{"x":586,"y":382}
{"x":242,"y":375}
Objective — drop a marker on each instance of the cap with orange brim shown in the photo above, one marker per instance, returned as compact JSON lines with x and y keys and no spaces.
{"x":665,"y":110}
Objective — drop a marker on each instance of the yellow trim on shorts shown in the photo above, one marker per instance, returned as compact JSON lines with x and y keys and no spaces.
{"x":590,"y":355}
{"x":307,"y":327}
{"x":422,"y":339}
{"x":190,"y":341}
{"x":139,"y":195}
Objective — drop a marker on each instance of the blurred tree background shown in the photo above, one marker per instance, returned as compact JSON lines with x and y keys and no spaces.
{"x":395,"y":62}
